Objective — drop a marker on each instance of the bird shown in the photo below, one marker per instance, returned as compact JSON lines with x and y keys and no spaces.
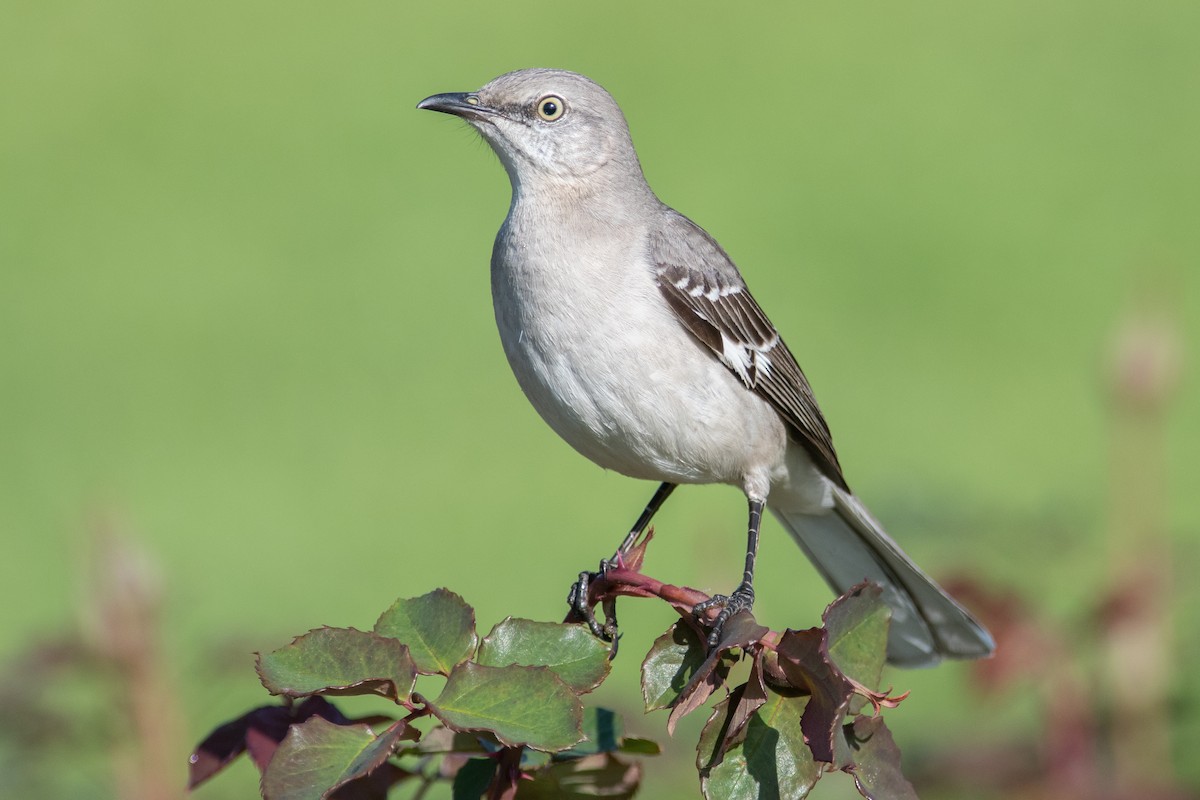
{"x":636,"y":339}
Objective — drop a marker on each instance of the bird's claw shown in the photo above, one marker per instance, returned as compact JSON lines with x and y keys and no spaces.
{"x":577,"y":599}
{"x":742,"y":599}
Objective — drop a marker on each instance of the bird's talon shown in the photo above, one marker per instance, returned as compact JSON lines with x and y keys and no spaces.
{"x":742,"y":599}
{"x":577,"y":599}
{"x":712,"y":602}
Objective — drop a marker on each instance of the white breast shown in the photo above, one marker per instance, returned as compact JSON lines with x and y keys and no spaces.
{"x":602,"y":358}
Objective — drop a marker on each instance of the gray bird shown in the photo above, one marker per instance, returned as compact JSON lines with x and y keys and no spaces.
{"x":634,"y":336}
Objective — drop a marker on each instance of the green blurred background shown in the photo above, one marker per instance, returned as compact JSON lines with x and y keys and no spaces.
{"x":245,"y":320}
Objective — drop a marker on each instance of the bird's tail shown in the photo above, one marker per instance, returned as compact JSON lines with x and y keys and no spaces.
{"x":848,"y":545}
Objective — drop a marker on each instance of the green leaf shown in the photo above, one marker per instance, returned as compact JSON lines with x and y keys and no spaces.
{"x":770,"y":761}
{"x":473,"y":779}
{"x":521,"y":705}
{"x":858,"y":629}
{"x":602,"y":733}
{"x":318,"y":757}
{"x":639,"y":746}
{"x":439,"y":629}
{"x":599,"y":775}
{"x":339,"y":661}
{"x":726,"y":727}
{"x":876,"y":767}
{"x":669,"y":666}
{"x":571,"y":651}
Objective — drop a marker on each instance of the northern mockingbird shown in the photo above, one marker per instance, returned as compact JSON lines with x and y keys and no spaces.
{"x":634,"y":336}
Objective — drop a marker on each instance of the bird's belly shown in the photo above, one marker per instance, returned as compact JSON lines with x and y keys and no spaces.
{"x":633,"y":402}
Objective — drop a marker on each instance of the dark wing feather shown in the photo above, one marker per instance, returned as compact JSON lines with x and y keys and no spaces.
{"x":704,"y":288}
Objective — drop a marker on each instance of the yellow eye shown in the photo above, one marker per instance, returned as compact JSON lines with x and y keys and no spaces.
{"x":551,"y":108}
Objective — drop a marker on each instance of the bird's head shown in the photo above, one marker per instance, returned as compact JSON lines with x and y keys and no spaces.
{"x":548,"y":126}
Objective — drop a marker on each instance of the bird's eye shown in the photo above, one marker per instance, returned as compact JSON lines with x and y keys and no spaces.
{"x":551,"y":108}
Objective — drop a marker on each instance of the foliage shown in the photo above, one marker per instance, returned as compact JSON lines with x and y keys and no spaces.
{"x":508,"y":721}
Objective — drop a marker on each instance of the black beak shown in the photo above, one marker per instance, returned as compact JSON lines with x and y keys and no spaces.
{"x":460,"y":104}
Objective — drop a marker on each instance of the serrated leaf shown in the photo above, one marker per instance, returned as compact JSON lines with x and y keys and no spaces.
{"x":318,"y":757}
{"x":256,"y":732}
{"x":709,"y":677}
{"x":669,"y":666}
{"x":857,"y":623}
{"x":438,"y":627}
{"x":571,"y":651}
{"x":339,"y":661}
{"x":521,"y":705}
{"x":740,"y":630}
{"x":770,"y":761}
{"x":737,"y":710}
{"x":599,"y":775}
{"x":805,"y":661}
{"x":718,"y":735}
{"x":876,"y":767}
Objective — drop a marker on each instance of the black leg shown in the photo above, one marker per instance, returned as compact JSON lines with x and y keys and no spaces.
{"x":578,"y":598}
{"x":660,"y":496}
{"x":742,"y":598}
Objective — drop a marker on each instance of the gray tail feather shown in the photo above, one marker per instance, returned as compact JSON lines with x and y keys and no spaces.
{"x":847,"y":545}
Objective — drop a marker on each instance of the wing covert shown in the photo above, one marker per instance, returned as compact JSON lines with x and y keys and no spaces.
{"x":710,"y":298}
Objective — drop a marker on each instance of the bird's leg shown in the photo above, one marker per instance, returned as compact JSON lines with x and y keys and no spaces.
{"x":742,"y":598}
{"x":578,"y":598}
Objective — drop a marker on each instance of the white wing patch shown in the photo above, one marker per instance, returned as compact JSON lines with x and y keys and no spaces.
{"x":749,"y":363}
{"x":746,"y":337}
{"x":710,"y":299}
{"x":711,"y":293}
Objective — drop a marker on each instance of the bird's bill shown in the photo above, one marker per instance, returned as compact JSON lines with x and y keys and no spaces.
{"x":460,"y":104}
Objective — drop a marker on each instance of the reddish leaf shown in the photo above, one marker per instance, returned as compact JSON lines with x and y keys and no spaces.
{"x":708,"y":678}
{"x":741,"y":630}
{"x":260,"y":731}
{"x":718,"y":734}
{"x":876,"y":767}
{"x":752,"y":695}
{"x":726,"y":725}
{"x":508,"y":774}
{"x":374,"y":785}
{"x":805,"y":661}
{"x":636,"y":555}
{"x":228,"y":741}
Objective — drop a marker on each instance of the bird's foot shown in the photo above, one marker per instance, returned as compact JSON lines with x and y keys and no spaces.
{"x":577,"y":599}
{"x":742,"y":599}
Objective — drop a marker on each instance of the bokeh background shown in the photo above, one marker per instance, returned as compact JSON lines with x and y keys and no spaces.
{"x":250,"y":384}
